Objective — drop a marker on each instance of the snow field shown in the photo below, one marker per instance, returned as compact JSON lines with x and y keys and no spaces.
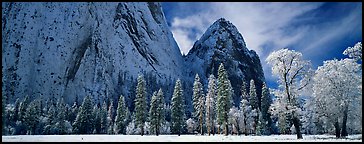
{"x":175,"y":138}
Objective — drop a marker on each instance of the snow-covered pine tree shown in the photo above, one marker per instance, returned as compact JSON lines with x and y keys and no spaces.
{"x":31,"y":117}
{"x":156,"y":112}
{"x":224,"y":92}
{"x":266,"y":101}
{"x":109,"y":119}
{"x":61,"y":117}
{"x":177,"y":110}
{"x":198,"y":109}
{"x":73,"y":113}
{"x":210,"y":105}
{"x":244,"y":108}
{"x":83,"y":122}
{"x":103,"y":118}
{"x":253,"y":95}
{"x":121,"y":116}
{"x":140,"y":104}
{"x":161,"y":111}
{"x":260,"y":124}
{"x":153,"y":113}
{"x":97,"y":120}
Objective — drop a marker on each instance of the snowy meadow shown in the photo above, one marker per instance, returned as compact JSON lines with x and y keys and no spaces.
{"x":175,"y":138}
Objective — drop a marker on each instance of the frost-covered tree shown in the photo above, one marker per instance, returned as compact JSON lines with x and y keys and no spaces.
{"x":83,"y":122}
{"x":156,"y":112}
{"x":103,"y":118}
{"x":224,"y":92}
{"x":198,"y":101}
{"x":31,"y":117}
{"x":336,"y":87}
{"x":177,"y":110}
{"x":210,"y":104}
{"x":266,"y":101}
{"x":97,"y":120}
{"x":354,"y":52}
{"x":61,"y":117}
{"x":234,"y":119}
{"x":294,"y":74}
{"x":191,"y":125}
{"x":260,"y":123}
{"x":140,"y":104}
{"x":110,"y":118}
{"x":244,"y":108}
{"x":122,"y":114}
{"x":253,"y":97}
{"x":73,"y":113}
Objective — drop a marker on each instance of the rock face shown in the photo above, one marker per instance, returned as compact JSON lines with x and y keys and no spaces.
{"x":76,"y":49}
{"x":222,"y":43}
{"x":71,"y":50}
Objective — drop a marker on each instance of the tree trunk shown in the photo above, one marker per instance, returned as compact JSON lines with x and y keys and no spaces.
{"x":344,"y":133}
{"x":226,"y":129}
{"x":337,"y":129}
{"x":245,"y":129}
{"x":142,"y":130}
{"x":296,"y":123}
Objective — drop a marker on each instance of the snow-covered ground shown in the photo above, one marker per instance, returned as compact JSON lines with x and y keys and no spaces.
{"x":175,"y":138}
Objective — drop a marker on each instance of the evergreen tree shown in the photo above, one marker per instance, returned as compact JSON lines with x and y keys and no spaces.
{"x":31,"y":117}
{"x":253,"y":95}
{"x":197,"y":102}
{"x":109,"y":120}
{"x":266,"y":101}
{"x":73,"y":113}
{"x":260,"y":124}
{"x":140,"y":104}
{"x":22,"y":108}
{"x":121,"y":116}
{"x":178,"y":112}
{"x":97,"y":120}
{"x":156,"y":112}
{"x":223,"y":98}
{"x":254,"y":101}
{"x":210,"y":104}
{"x":61,"y":117}
{"x":103,"y":118}
{"x":83,"y":122}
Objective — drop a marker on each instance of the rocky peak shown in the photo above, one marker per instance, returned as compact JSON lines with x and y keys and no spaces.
{"x":222,"y":43}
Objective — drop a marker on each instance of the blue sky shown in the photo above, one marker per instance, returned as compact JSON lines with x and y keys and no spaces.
{"x":320,"y":31}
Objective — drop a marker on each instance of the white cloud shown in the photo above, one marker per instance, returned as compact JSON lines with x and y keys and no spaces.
{"x":259,"y":23}
{"x":263,"y":24}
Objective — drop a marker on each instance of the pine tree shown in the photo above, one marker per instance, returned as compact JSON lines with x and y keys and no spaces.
{"x":121,"y":116}
{"x":254,"y":101}
{"x":109,"y":120}
{"x":210,"y":104}
{"x":140,"y":104}
{"x":197,"y":105}
{"x":97,"y":120}
{"x":61,"y":117}
{"x":253,"y":95}
{"x":83,"y":122}
{"x":260,"y":124}
{"x":31,"y":117}
{"x":103,"y":118}
{"x":156,"y":112}
{"x":266,"y":101}
{"x":178,"y":112}
{"x":73,"y":113}
{"x":223,"y":98}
